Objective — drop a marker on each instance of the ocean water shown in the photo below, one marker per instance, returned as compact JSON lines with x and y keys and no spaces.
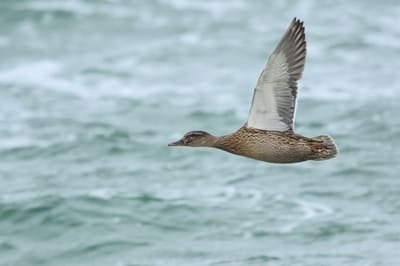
{"x":92,"y":91}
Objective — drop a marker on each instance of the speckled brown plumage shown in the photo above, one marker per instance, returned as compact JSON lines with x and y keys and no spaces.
{"x":271,"y":146}
{"x":268,"y":135}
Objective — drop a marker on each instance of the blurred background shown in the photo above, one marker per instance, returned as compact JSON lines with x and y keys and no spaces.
{"x":92,"y":91}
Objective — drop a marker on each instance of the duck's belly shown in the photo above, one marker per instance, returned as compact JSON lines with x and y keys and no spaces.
{"x":285,"y":150}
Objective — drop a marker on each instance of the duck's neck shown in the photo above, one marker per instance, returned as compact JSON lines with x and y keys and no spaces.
{"x":208,"y":141}
{"x":225,"y":143}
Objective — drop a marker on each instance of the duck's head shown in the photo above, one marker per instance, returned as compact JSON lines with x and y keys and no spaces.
{"x":195,"y":139}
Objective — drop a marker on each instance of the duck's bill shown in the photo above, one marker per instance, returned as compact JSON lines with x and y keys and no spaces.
{"x":176,"y":143}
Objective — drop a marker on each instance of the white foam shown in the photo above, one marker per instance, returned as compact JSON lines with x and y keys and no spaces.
{"x":313,"y":209}
{"x":44,"y":74}
{"x":310,"y":210}
{"x":101,"y":193}
{"x":190,"y":38}
{"x":32,"y":73}
{"x":78,"y":8}
{"x":17,"y":142}
{"x":215,"y":8}
{"x":72,"y":6}
{"x":289,"y":227}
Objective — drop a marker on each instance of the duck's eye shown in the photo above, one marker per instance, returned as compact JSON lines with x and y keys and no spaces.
{"x":187,"y":140}
{"x":190,"y":138}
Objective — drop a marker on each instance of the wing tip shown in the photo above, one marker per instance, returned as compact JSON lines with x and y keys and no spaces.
{"x":297,"y":23}
{"x":297,"y":38}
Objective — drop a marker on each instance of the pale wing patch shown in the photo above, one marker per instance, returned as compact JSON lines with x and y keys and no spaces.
{"x":268,"y":96}
{"x":274,"y":97}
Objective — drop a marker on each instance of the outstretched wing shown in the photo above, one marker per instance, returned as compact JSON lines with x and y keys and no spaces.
{"x":274,"y":97}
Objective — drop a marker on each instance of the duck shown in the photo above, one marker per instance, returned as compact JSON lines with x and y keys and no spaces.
{"x":268,"y":134}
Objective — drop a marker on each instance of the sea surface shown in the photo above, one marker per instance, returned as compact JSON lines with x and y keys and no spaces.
{"x":93,"y":91}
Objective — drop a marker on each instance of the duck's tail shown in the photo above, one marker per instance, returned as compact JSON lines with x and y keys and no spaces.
{"x":329,"y":150}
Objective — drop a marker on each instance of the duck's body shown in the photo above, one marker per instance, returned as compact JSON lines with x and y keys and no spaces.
{"x":272,"y":146}
{"x":268,"y":134}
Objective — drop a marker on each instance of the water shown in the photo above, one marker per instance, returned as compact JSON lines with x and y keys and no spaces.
{"x":92,"y":91}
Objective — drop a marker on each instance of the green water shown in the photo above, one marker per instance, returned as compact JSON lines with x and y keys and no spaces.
{"x":92,"y":91}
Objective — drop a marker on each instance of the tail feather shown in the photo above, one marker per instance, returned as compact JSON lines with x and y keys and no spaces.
{"x":330,"y":149}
